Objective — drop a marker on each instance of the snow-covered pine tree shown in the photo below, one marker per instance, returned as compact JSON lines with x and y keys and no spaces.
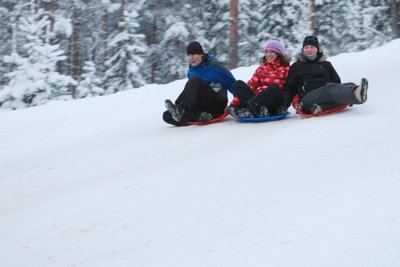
{"x":150,"y":65}
{"x":60,"y":28}
{"x":90,"y":84}
{"x":6,"y":39}
{"x":104,"y":33}
{"x":295,"y":24}
{"x":378,"y":21}
{"x":94,"y":32}
{"x":34,"y":79}
{"x":173,"y":64}
{"x":194,"y":18}
{"x":250,"y":44}
{"x":173,"y":58}
{"x":128,"y":50}
{"x":329,"y":20}
{"x":287,"y":21}
{"x":233,"y":34}
{"x":395,"y":18}
{"x":352,"y":25}
{"x":350,"y":33}
{"x":284,"y":20}
{"x":271,"y":24}
{"x":216,"y":21}
{"x":152,"y":24}
{"x":148,"y":25}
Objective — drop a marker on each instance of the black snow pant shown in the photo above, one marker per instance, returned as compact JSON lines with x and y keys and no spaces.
{"x":329,"y":96}
{"x":196,"y":97}
{"x":271,"y":97}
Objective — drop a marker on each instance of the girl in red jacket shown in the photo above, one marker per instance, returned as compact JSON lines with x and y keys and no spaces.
{"x":262,"y":95}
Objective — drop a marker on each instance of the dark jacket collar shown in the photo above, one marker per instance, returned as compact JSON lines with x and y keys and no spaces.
{"x":320,"y":58}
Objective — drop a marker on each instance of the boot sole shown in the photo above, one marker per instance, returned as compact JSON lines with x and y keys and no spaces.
{"x":364,"y":90}
{"x":171,"y":109}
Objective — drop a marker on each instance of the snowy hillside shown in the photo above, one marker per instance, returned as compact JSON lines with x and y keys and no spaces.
{"x":105,"y":182}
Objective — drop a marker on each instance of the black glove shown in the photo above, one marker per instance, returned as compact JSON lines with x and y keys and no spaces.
{"x":217,"y":87}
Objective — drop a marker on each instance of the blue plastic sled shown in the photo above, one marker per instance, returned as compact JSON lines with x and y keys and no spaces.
{"x":262,"y":119}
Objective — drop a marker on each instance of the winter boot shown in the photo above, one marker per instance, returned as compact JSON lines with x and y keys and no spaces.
{"x":315,"y":109}
{"x":263,"y":112}
{"x":364,"y":89}
{"x":175,"y":110}
{"x":281,"y":110}
{"x":205,"y":116}
{"x":232,"y":111}
{"x":360,"y":92}
{"x":244,"y":113}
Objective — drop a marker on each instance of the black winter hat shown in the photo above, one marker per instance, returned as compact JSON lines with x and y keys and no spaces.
{"x":311,"y":40}
{"x":194,"y":48}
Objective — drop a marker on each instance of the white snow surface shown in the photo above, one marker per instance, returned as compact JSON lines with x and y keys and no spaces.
{"x":105,"y":182}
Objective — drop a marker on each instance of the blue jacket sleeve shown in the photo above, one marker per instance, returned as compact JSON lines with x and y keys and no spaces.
{"x":227,"y":80}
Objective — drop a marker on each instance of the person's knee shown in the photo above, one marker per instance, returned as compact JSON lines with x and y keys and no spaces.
{"x":239,"y":84}
{"x":195,"y":82}
{"x":240,"y":87}
{"x":274,"y":88}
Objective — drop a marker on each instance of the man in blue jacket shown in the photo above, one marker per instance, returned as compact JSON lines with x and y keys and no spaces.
{"x":205,"y":95}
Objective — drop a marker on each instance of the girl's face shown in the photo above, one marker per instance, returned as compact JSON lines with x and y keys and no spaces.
{"x":310,"y":50}
{"x":270,"y":55}
{"x":194,"y":59}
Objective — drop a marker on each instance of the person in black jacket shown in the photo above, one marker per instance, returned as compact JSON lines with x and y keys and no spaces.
{"x":205,"y":95}
{"x":317,"y":84}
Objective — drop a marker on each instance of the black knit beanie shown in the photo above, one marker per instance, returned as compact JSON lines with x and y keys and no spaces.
{"x":194,"y":48}
{"x":311,"y":40}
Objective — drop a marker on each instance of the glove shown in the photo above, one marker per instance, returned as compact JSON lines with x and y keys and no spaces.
{"x":297,"y":107}
{"x":235,"y":102}
{"x":295,"y":100}
{"x":296,"y":104}
{"x":217,"y":87}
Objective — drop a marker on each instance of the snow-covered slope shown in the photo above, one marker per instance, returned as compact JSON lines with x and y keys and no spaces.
{"x":105,"y":182}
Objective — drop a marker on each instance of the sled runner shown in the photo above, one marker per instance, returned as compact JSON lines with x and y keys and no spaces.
{"x":264,"y":119}
{"x":218,"y":119}
{"x":168,"y":119}
{"x":306,"y":115}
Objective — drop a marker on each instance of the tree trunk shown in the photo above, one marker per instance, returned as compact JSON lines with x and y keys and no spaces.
{"x":395,"y":18}
{"x":178,"y":42}
{"x":50,"y":7}
{"x":233,"y":36}
{"x":122,"y":16}
{"x":312,"y":17}
{"x":153,"y":56}
{"x":105,"y":38}
{"x":75,"y":49}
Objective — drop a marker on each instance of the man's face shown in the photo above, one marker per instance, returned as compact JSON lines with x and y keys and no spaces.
{"x":194,"y":59}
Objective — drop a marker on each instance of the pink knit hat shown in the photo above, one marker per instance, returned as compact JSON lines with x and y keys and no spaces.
{"x":274,"y":45}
